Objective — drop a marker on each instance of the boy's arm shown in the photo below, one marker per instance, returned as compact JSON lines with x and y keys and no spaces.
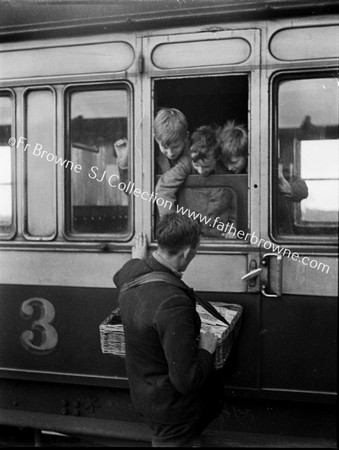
{"x":295,"y":189}
{"x":169,"y":184}
{"x":299,"y":189}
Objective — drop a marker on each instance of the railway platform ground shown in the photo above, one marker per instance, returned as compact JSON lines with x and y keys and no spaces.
{"x":23,"y":437}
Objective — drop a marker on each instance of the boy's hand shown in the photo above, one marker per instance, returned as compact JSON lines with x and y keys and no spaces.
{"x":121,"y":149}
{"x":208,"y":341}
{"x":284,"y":186}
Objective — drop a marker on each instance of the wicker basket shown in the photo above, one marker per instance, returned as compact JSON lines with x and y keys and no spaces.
{"x":227,"y":334}
{"x":112,"y":335}
{"x":113,"y":340}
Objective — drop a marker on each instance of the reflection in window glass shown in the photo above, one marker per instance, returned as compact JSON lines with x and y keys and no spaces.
{"x":306,"y":200}
{"x":218,"y":202}
{"x":6,"y":162}
{"x":98,"y":120}
{"x":217,"y":220}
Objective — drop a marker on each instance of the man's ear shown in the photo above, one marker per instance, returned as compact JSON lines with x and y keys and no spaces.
{"x":186,"y":251}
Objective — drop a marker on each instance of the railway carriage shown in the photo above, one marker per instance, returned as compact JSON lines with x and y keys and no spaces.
{"x":75,"y":79}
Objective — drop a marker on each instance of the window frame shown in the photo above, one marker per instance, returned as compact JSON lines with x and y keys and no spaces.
{"x":26,"y":233}
{"x":7,"y":236}
{"x":196,"y":181}
{"x":68,"y":216}
{"x":275,"y":81}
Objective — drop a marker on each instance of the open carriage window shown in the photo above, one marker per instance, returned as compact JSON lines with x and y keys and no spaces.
{"x":210,"y":184}
{"x":7,"y":158}
{"x":306,"y":160}
{"x":98,"y":128}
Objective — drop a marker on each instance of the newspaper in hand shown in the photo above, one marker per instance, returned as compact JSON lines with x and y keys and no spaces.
{"x":226,"y":333}
{"x":211,"y":323}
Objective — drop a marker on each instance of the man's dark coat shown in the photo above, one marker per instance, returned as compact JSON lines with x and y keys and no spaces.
{"x":165,"y":368}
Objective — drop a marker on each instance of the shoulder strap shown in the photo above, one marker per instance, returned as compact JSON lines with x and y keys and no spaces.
{"x":168,"y":278}
{"x":152,"y":277}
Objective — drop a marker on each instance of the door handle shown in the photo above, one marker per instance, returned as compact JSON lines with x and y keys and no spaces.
{"x":252,"y":274}
{"x":264,"y":262}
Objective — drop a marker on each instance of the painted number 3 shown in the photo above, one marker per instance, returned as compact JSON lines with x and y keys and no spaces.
{"x":44,"y":337}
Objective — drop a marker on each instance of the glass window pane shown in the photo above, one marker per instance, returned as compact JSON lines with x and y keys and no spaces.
{"x":306,"y":197}
{"x":311,"y":166}
{"x":6,"y":166}
{"x":98,"y":203}
{"x":218,"y":202}
{"x":309,"y":104}
{"x":40,"y":165}
{"x":321,"y":205}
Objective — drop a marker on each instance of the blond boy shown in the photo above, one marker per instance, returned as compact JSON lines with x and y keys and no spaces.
{"x":171,"y":134}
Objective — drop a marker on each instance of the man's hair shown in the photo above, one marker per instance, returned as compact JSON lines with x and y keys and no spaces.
{"x":170,"y":124}
{"x":176,"y":231}
{"x":233,"y":140}
{"x":203,"y":143}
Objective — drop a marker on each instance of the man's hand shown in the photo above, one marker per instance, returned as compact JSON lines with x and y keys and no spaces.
{"x":139,"y":249}
{"x":121,"y":148}
{"x":208,"y":341}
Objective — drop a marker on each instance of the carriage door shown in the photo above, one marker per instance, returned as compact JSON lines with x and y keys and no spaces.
{"x":213,"y":78}
{"x":300,"y":274}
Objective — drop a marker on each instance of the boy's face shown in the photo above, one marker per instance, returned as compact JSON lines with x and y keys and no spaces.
{"x":236,"y":164}
{"x":173,"y":150}
{"x":205,"y":167}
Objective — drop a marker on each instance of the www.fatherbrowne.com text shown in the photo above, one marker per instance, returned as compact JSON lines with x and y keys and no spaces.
{"x":227,"y":229}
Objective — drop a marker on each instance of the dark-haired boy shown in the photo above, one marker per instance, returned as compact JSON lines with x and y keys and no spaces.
{"x":208,"y":203}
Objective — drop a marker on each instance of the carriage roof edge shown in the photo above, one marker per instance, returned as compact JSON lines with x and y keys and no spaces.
{"x":21,"y":20}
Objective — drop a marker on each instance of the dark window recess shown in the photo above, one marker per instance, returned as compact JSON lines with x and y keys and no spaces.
{"x":211,"y":100}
